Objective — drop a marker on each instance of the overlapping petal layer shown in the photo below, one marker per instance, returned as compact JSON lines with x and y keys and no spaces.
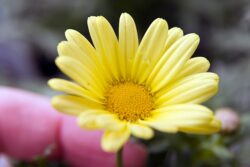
{"x":182,"y":117}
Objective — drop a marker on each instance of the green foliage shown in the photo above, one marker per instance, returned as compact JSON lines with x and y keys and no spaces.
{"x":41,"y":162}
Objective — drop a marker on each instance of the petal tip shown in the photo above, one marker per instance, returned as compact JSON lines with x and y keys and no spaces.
{"x":194,"y":36}
{"x":51,"y":83}
{"x":91,"y":19}
{"x":125,"y":14}
{"x":69,"y":33}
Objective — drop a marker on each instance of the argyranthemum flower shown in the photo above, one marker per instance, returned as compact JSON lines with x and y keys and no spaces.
{"x":127,"y":88}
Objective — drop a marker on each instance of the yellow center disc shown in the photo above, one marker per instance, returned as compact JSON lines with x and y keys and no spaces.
{"x":129,"y":101}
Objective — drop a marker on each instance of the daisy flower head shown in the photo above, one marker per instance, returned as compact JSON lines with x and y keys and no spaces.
{"x":126,"y":87}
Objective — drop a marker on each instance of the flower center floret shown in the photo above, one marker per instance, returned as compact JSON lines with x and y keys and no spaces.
{"x":129,"y":101}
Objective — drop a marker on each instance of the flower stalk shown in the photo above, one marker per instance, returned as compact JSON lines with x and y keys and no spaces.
{"x":119,"y":161}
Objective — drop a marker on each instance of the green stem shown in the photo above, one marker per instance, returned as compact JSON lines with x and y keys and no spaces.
{"x":119,"y":162}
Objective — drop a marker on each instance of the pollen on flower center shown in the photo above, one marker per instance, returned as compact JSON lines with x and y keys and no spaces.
{"x":129,"y":101}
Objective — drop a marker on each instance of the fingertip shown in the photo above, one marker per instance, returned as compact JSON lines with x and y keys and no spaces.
{"x":82,"y":148}
{"x":28,"y":124}
{"x":135,"y":155}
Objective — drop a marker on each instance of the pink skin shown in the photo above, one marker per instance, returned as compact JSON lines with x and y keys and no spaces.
{"x":30,"y":127}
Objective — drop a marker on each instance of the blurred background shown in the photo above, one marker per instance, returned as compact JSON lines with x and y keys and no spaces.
{"x":30,"y":31}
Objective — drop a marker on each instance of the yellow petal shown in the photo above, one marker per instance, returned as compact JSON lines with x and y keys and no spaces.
{"x":173,"y":35}
{"x":172,"y":118}
{"x":128,"y":43}
{"x":66,"y":48}
{"x":99,"y":119}
{"x":197,"y":90}
{"x":105,"y":42}
{"x":196,"y":95}
{"x":141,"y":131}
{"x":87,"y":120}
{"x":200,"y":76}
{"x":72,"y":88}
{"x":194,"y":66}
{"x":112,"y":141}
{"x":150,"y":49}
{"x":161,"y":126}
{"x":80,"y":49}
{"x":82,"y":43}
{"x":212,"y":127}
{"x":89,"y":51}
{"x":82,"y":75}
{"x":172,"y":61}
{"x":73,"y":105}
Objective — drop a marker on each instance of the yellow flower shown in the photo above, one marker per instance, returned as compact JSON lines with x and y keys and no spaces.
{"x":126,"y":88}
